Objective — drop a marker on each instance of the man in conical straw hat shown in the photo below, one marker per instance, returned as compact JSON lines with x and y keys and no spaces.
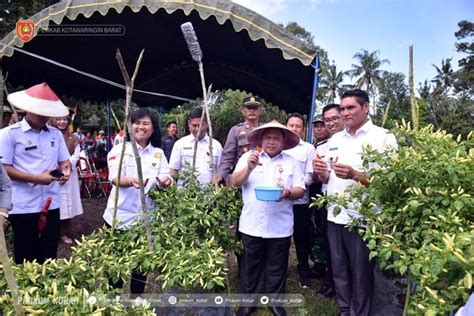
{"x":266,"y":227}
{"x":36,"y":159}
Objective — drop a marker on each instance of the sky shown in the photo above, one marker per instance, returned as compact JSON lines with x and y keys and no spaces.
{"x":344,"y":27}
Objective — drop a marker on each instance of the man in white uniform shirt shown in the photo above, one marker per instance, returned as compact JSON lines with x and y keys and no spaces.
{"x":266,"y":227}
{"x":183,"y":151}
{"x":30,"y":151}
{"x":303,"y":153}
{"x":353,"y":272}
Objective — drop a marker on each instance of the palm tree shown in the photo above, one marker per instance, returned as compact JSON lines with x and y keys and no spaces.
{"x":424,"y":89}
{"x":331,"y":83}
{"x":445,"y":76}
{"x":367,"y":72}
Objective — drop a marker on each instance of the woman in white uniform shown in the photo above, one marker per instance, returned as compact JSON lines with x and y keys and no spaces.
{"x":69,"y":193}
{"x":155,"y":174}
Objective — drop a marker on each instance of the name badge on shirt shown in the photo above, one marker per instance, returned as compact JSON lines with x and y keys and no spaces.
{"x":333,"y":148}
{"x":31,"y":147}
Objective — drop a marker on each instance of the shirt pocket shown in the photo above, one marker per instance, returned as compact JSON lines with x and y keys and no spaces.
{"x":257,"y":176}
{"x":30,"y":151}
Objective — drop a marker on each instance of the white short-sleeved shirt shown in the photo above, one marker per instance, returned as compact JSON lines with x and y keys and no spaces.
{"x":183,"y":151}
{"x":154,"y":164}
{"x":269,"y":219}
{"x":304,"y":153}
{"x":30,"y":151}
{"x":348,"y":149}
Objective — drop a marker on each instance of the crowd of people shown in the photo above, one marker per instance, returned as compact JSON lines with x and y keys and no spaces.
{"x":39,"y":154}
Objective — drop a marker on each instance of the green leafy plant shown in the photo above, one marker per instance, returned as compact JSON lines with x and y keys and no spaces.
{"x":419,"y":216}
{"x":192,"y":229}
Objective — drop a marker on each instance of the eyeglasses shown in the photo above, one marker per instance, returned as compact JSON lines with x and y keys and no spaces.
{"x":333,"y":119}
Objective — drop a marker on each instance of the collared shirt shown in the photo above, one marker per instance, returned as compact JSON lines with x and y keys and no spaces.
{"x":269,"y":219}
{"x":5,"y":189}
{"x":182,"y":155}
{"x":167,"y":143}
{"x":30,"y":151}
{"x":304,"y":153}
{"x":235,"y":146}
{"x":348,"y":149}
{"x":154,"y":164}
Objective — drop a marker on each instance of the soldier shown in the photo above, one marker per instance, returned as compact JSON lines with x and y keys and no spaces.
{"x":237,"y":143}
{"x":320,"y":254}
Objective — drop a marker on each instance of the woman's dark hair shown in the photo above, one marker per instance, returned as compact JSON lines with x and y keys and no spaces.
{"x":155,"y":138}
{"x":295,"y":114}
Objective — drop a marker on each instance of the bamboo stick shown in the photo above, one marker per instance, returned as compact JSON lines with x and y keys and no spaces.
{"x":8,"y":271}
{"x":385,"y":114}
{"x":130,"y":83}
{"x":411,"y":82}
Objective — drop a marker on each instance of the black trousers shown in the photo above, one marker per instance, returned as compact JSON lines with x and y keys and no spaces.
{"x":263,"y":255}
{"x":137,"y":281}
{"x":302,"y":236}
{"x":353,"y":273}
{"x":27,"y":244}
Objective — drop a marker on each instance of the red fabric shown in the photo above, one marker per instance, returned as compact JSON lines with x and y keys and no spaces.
{"x":42,"y":219}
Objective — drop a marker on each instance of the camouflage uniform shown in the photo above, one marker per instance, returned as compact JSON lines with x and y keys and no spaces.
{"x":319,"y":247}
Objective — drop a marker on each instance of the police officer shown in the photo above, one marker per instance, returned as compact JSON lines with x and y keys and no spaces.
{"x":237,"y":143}
{"x":31,"y":151}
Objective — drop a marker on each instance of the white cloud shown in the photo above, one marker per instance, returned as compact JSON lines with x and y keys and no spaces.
{"x":264,"y":7}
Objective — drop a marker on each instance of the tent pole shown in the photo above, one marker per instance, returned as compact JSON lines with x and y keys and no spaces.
{"x":108,"y":142}
{"x":315,"y":65}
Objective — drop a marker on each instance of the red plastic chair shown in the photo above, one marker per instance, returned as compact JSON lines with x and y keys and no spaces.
{"x":86,"y":176}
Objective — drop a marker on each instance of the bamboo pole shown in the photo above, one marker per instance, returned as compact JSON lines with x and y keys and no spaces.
{"x":130,"y":83}
{"x":385,"y":114}
{"x":9,"y":276}
{"x":116,"y":121}
{"x":411,"y":82}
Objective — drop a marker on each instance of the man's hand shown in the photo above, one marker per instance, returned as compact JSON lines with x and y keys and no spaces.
{"x":65,"y":167}
{"x":253,"y":159}
{"x":3,"y":219}
{"x":45,"y":178}
{"x":343,"y":171}
{"x":134,"y":182}
{"x":163,"y":181}
{"x":217,"y":179}
{"x":347,"y":172}
{"x":320,"y":168}
{"x":285,"y":193}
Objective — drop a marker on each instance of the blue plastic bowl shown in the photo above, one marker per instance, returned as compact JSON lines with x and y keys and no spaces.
{"x":269,"y":194}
